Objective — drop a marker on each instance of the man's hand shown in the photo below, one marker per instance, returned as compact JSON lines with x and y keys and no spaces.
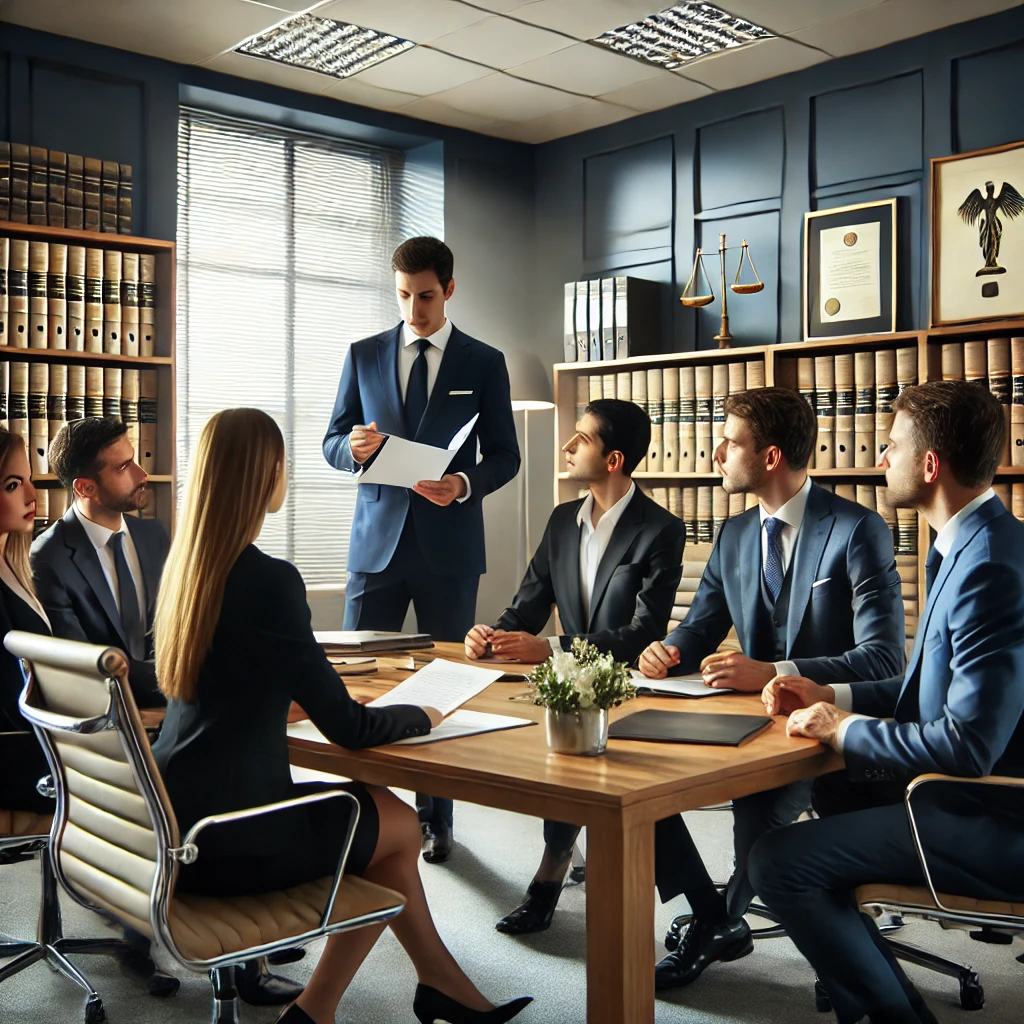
{"x":364,"y":441}
{"x":820,"y":721}
{"x":435,"y":716}
{"x":658,"y":659}
{"x":477,"y":640}
{"x":786,"y":694}
{"x":736,"y":671}
{"x":444,"y":491}
{"x":519,"y":646}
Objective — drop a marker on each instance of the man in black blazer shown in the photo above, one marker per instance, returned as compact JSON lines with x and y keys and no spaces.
{"x":610,"y":564}
{"x":809,"y":581}
{"x":422,"y":380}
{"x":959,"y":711}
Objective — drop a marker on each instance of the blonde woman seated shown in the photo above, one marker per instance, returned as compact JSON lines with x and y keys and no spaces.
{"x":234,"y":648}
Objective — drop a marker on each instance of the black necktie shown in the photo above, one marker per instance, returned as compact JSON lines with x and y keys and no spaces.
{"x":131,"y":617}
{"x":932,"y":566}
{"x":416,"y":391}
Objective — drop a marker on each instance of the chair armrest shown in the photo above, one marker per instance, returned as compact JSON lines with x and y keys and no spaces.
{"x":188,"y":852}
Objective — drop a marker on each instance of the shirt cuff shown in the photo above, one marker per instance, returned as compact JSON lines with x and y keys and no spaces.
{"x":555,"y":643}
{"x":843,"y":726}
{"x":843,"y":696}
{"x":469,"y":489}
{"x":786,"y":668}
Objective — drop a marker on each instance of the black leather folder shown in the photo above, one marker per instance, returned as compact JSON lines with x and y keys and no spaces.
{"x":688,"y":727}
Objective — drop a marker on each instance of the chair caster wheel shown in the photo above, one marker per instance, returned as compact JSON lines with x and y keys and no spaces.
{"x":972,"y":995}
{"x":822,"y":1003}
{"x":94,"y":1012}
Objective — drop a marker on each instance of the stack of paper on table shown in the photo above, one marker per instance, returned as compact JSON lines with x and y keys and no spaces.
{"x":676,"y":686}
{"x":368,"y":641}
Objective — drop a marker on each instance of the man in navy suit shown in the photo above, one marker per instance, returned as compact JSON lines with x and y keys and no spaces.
{"x":957,"y":712}
{"x":809,"y":581}
{"x":422,"y":380}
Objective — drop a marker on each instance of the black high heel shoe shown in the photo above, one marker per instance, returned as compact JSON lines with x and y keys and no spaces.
{"x":433,"y":1007}
{"x":294,"y":1015}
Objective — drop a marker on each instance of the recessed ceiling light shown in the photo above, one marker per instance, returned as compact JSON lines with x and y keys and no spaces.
{"x":682,"y":33}
{"x":324,"y":45}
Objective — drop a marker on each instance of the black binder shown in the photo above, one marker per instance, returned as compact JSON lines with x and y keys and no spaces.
{"x":689,"y":727}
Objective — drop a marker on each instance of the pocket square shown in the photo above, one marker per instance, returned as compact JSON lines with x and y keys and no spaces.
{"x":460,"y":392}
{"x":818,"y":583}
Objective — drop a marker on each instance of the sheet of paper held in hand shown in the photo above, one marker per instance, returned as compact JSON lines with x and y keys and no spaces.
{"x":444,"y":685}
{"x":404,"y":463}
{"x":676,"y":686}
{"x":460,"y":723}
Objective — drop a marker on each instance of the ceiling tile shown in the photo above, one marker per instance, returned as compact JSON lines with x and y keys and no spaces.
{"x":586,"y":68}
{"x":186,"y":31}
{"x":433,"y":110}
{"x":421,"y":21}
{"x":585,"y":19}
{"x":785,"y":16}
{"x":897,"y":19}
{"x":355,"y":90}
{"x":501,"y":43}
{"x":657,"y":93}
{"x":269,"y":71}
{"x":754,"y":62}
{"x":581,"y":118}
{"x":422,"y":72}
{"x":504,"y":98}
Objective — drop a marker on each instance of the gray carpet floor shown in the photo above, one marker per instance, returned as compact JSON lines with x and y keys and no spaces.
{"x":488,"y":871}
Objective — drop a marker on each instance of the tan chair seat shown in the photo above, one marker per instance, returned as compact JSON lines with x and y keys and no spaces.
{"x":205,"y":927}
{"x":24,"y":823}
{"x":919,"y":896}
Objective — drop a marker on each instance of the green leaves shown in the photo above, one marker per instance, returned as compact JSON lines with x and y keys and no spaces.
{"x":582,"y":678}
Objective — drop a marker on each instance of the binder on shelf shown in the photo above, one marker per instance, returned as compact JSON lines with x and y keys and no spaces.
{"x":755,"y":374}
{"x":660,"y":495}
{"x":5,"y":386}
{"x":607,"y":317}
{"x":74,"y":290}
{"x":639,"y":388}
{"x":56,"y":400}
{"x":675,"y":501}
{"x":655,"y":409}
{"x":952,"y":362}
{"x":42,"y":519}
{"x":17,"y":402}
{"x":719,"y":393}
{"x":147,"y":420}
{"x":58,"y":503}
{"x":582,"y":395}
{"x":17,"y":294}
{"x":130,"y":405}
{"x":866,"y":496}
{"x":975,"y":362}
{"x":1017,"y":408}
{"x":705,"y":521}
{"x":886,"y":390}
{"x":582,"y":338}
{"x":1004,"y":494}
{"x":5,"y":181}
{"x":92,"y":171}
{"x":737,"y":503}
{"x":864,"y":413}
{"x":93,"y":300}
{"x":594,"y":320}
{"x":129,"y":304}
{"x":843,"y":445}
{"x":906,"y":368}
{"x":38,"y":262}
{"x":124,"y":199}
{"x":607,"y":385}
{"x":5,"y":259}
{"x":38,"y":430}
{"x":568,"y":316}
{"x":847,"y":491}
{"x":112,"y":302}
{"x":637,"y":317}
{"x":737,"y":382}
{"x":719,"y":509}
{"x":670,"y":419}
{"x":1017,"y":501}
{"x":595,"y":388}
{"x":999,"y":385}
{"x":75,"y":193}
{"x":805,"y":387}
{"x":825,"y":409}
{"x":57,"y":164}
{"x":56,"y":296}
{"x":687,"y":443}
{"x":108,"y":191}
{"x":37,"y":185}
{"x":624,"y":386}
{"x":147,"y":306}
{"x":19,"y":182}
{"x":690,"y":514}
{"x":705,"y":402}
{"x":94,"y":391}
{"x":76,"y":392}
{"x":112,"y":393}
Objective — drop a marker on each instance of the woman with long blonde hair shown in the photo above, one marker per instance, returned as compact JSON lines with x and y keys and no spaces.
{"x":234,"y":648}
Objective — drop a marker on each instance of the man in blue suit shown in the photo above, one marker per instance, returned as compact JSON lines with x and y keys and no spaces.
{"x":809,"y":581}
{"x":422,"y":380}
{"x":957,"y":711}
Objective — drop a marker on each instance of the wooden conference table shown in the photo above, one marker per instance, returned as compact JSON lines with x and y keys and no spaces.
{"x":618,"y":796}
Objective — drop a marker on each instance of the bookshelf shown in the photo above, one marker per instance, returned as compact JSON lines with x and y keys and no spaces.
{"x":155,"y":443}
{"x":981,"y":352}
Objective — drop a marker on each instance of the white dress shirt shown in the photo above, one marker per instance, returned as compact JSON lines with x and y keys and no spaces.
{"x":943,"y":544}
{"x":593,"y":544}
{"x":12,"y":581}
{"x":100,"y":536}
{"x":792,"y":515}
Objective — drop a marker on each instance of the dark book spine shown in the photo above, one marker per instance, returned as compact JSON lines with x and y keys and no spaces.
{"x":92,"y":170}
{"x":57,"y":189}
{"x":124,"y":199}
{"x":38,"y":183}
{"x":108,"y":193}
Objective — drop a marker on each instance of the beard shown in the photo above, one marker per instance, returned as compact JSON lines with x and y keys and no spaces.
{"x":130,"y":502}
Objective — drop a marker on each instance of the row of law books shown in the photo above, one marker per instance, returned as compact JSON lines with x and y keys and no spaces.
{"x":77,"y":298}
{"x":37,"y":399}
{"x":611,"y":318}
{"x":998,"y":364}
{"x":686,"y":405}
{"x":852,"y":395}
{"x":48,"y":187}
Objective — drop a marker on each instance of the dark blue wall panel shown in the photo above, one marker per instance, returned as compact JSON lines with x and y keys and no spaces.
{"x":988,"y":111}
{"x":741,"y":159}
{"x":4,"y":92}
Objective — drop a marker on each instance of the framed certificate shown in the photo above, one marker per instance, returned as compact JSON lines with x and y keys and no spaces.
{"x":850,"y":270}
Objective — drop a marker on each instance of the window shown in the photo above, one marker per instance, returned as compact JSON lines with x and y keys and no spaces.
{"x":284,"y":249}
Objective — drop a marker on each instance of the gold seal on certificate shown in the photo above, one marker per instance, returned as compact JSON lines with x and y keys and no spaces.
{"x":850,"y":238}
{"x":832,"y":306}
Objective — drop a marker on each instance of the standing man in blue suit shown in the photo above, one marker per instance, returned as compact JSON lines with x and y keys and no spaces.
{"x":957,"y":711}
{"x":809,"y":581}
{"x":422,"y":380}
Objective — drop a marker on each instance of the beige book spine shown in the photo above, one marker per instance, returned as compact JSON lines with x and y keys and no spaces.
{"x":690,"y":517}
{"x":737,"y":382}
{"x":42,"y":519}
{"x":57,"y":400}
{"x":5,"y":388}
{"x":17,"y":294}
{"x":1004,"y":492}
{"x":624,"y":387}
{"x":805,"y":385}
{"x":847,"y":491}
{"x":76,"y":392}
{"x":737,"y":503}
{"x":705,"y":427}
{"x":147,"y":304}
{"x":582,"y":395}
{"x":130,"y":405}
{"x":1017,"y":408}
{"x":952,"y":362}
{"x":719,"y":508}
{"x":906,"y":367}
{"x":595,"y":388}
{"x":93,"y":300}
{"x":845,"y":405}
{"x":147,"y":420}
{"x":720,"y":392}
{"x":675,"y":501}
{"x":56,"y":297}
{"x":38,"y":389}
{"x":1000,"y":386}
{"x":74,"y":288}
{"x":866,"y":496}
{"x":825,"y":408}
{"x":607,"y":385}
{"x":886,"y":390}
{"x":112,"y":393}
{"x":58,"y":499}
{"x":864,"y":414}
{"x":655,"y":409}
{"x":750,"y":500}
{"x":639,"y":387}
{"x":755,"y":374}
{"x":38,"y":263}
{"x":94,"y":391}
{"x":975,"y":362}
{"x":112,"y":342}
{"x":660,"y":495}
{"x":130,"y":304}
{"x":670,"y":419}
{"x":687,"y":420}
{"x":1017,"y":501}
{"x":17,"y":402}
{"x":705,"y":520}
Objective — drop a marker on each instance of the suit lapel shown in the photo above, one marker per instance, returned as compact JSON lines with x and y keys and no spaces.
{"x":83,"y":554}
{"x":453,"y":354}
{"x":810,"y":546}
{"x":387,"y":364}
{"x":565,"y":575}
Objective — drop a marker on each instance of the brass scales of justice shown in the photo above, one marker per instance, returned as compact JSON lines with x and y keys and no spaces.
{"x":690,"y":298}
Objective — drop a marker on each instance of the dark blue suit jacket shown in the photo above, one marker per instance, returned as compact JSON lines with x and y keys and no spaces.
{"x":849,"y":627}
{"x":369,"y":393}
{"x":958,"y":710}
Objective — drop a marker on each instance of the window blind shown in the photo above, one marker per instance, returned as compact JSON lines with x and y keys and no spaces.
{"x":284,"y":249}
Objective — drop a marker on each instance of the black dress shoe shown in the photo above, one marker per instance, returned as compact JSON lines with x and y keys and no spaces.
{"x":701,"y":946}
{"x":286,"y":956}
{"x":535,"y":912}
{"x":137,"y":962}
{"x":437,"y":842}
{"x":295,"y":1015}
{"x":433,"y":1007}
{"x":258,"y":987}
{"x":675,"y":931}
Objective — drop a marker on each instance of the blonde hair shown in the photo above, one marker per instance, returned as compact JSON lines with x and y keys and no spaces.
{"x":16,"y":547}
{"x":233,"y":476}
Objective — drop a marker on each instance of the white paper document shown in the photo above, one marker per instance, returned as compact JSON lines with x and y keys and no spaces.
{"x":850,"y":273}
{"x":676,"y":686}
{"x":466,"y":723}
{"x":444,"y":685}
{"x":403,"y":463}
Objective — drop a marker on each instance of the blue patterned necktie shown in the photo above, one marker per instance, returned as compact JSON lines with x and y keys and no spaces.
{"x":773,"y":559}
{"x":931,"y":570}
{"x":416,"y":390}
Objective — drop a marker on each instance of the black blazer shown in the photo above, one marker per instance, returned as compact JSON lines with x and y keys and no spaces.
{"x":229,"y":749}
{"x":22,"y":762}
{"x":72,"y":588}
{"x":634,"y":589}
{"x":845,"y":608}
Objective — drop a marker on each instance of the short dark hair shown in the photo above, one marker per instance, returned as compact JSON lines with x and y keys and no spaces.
{"x":623,"y":427}
{"x":424,"y":252}
{"x":962,"y":422}
{"x":780,"y":417}
{"x":75,"y":451}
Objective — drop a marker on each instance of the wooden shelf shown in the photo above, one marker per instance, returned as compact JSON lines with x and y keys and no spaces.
{"x":50,"y":479}
{"x":726,"y":355}
{"x":64,"y":355}
{"x":94,"y":239}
